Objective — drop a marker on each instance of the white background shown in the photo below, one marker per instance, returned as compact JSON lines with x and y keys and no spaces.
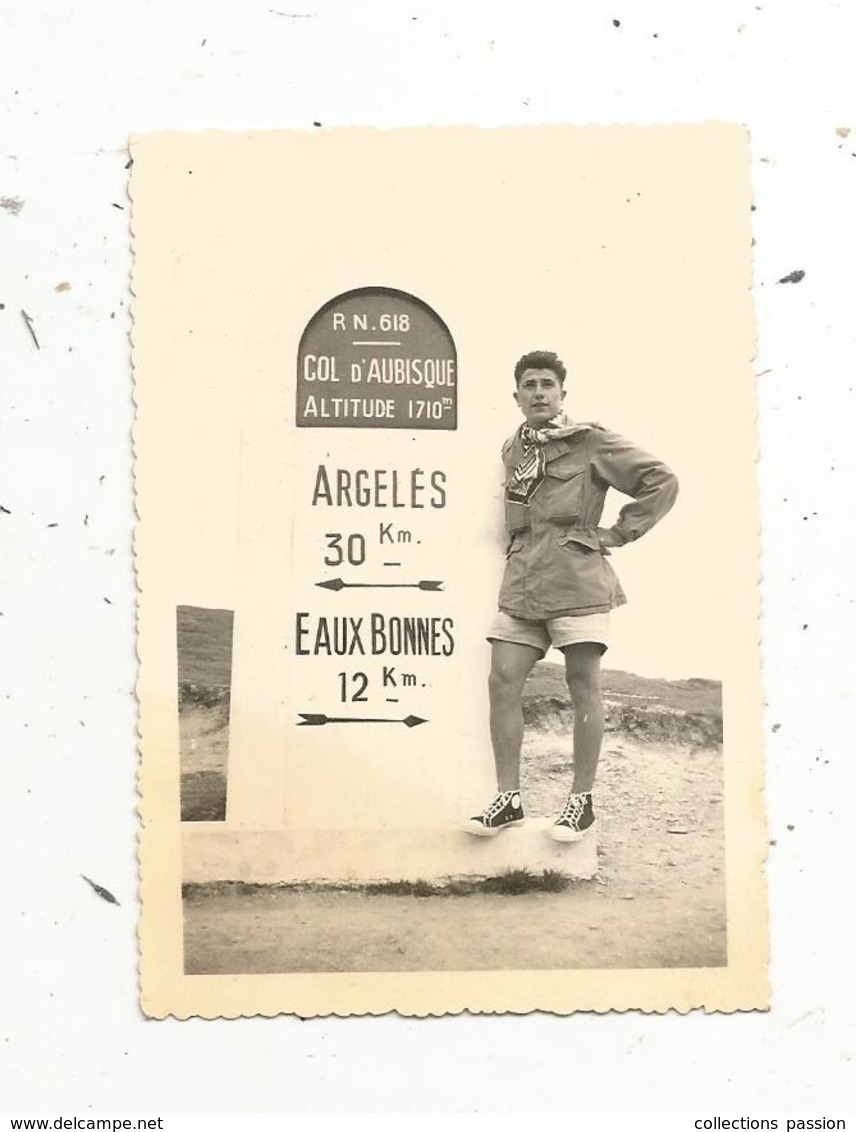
{"x":76,"y":80}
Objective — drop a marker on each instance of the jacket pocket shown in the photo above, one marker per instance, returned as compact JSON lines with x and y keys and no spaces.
{"x":586,"y":541}
{"x":581,"y":542}
{"x":565,"y":467}
{"x":516,"y":517}
{"x":563,"y":488}
{"x":580,"y":576}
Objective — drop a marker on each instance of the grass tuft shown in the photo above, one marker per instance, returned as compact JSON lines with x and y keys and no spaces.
{"x":203,"y":695}
{"x":460,"y":888}
{"x":513,"y":882}
{"x":389,"y":888}
{"x":420,"y":888}
{"x":554,"y":881}
{"x":519,"y":882}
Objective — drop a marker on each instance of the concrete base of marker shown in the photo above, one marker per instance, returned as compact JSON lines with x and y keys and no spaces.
{"x":358,"y":856}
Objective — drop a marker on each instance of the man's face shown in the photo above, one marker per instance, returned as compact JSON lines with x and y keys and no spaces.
{"x":539,"y":395}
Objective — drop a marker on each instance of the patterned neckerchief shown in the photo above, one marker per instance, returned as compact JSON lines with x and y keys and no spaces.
{"x":529,"y":473}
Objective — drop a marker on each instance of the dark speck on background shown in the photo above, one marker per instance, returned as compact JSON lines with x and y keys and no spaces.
{"x":793,"y":277}
{"x":129,"y":163}
{"x":12,"y":205}
{"x":119,"y":206}
{"x":5,"y":510}
{"x":29,"y":323}
{"x":616,"y":23}
{"x":316,"y":123}
{"x":104,"y":893}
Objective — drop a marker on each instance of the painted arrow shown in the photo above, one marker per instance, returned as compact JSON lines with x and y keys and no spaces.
{"x":337,"y":584}
{"x":307,"y":719}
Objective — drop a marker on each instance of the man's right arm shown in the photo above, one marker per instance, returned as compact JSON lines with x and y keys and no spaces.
{"x":635,"y":472}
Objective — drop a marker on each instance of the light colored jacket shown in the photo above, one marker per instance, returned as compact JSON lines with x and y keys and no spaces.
{"x":556,"y":565}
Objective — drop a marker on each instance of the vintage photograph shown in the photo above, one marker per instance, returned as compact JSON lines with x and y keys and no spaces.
{"x":662,"y":770}
{"x":451,"y":667}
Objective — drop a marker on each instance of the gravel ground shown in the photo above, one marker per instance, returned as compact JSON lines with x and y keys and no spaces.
{"x":658,"y":899}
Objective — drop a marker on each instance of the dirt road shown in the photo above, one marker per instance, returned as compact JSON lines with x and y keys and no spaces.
{"x":658,"y":900}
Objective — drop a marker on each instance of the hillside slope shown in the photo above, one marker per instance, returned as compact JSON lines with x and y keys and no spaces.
{"x":683,"y":712}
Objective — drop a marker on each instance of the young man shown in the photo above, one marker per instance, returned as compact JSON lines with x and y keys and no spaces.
{"x":558,"y":586}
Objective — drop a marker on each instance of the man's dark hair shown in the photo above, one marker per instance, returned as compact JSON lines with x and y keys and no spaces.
{"x":541,"y":359}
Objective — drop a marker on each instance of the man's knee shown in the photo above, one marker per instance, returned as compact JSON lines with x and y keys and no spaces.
{"x":505,"y":680}
{"x":582,"y":672}
{"x":583,"y":686}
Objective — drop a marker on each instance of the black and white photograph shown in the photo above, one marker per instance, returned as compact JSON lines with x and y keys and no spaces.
{"x":425,"y":591}
{"x":461,"y":625}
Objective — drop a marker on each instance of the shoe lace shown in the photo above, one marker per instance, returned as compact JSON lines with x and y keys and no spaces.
{"x":574,"y":809}
{"x":499,"y":802}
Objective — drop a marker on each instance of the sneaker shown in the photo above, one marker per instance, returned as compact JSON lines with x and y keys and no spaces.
{"x":505,"y":810}
{"x":575,"y":820}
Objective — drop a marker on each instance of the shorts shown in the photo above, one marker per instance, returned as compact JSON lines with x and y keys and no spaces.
{"x":588,"y":628}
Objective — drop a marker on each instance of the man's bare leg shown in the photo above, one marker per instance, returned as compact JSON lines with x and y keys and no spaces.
{"x":582,"y":670}
{"x":510,"y":664}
